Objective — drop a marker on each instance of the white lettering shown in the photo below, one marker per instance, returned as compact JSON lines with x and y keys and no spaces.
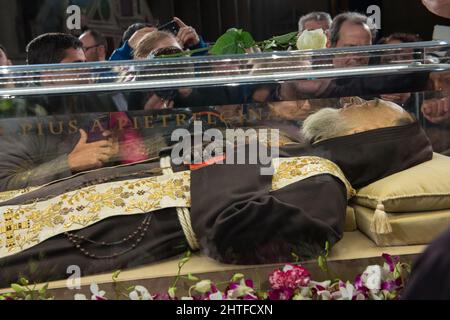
{"x":73,"y":22}
{"x":374,"y":20}
{"x":74,"y":281}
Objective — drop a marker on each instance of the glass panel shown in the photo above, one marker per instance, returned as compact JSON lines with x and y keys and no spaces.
{"x":145,"y":101}
{"x":226,"y":71}
{"x":67,"y":130}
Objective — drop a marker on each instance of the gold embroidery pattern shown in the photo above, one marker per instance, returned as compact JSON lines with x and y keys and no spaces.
{"x":8,"y":195}
{"x":22,"y":227}
{"x":291,"y":170}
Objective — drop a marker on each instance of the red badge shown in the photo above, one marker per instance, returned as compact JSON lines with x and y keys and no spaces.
{"x":206,"y":163}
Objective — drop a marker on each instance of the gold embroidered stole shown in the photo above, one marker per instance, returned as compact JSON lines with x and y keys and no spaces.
{"x":24,"y":226}
{"x":8,"y":195}
{"x":291,"y":170}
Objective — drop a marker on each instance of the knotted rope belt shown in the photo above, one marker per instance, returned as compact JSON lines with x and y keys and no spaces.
{"x":184,"y":215}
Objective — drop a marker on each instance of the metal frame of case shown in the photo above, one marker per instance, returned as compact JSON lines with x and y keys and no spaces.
{"x":231,"y":70}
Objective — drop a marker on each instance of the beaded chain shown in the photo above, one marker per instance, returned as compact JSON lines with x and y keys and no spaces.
{"x":77,"y":240}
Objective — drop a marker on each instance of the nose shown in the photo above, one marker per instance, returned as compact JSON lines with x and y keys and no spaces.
{"x":306,"y":105}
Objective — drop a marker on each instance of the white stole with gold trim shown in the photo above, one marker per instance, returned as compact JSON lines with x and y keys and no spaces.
{"x":25,"y":226}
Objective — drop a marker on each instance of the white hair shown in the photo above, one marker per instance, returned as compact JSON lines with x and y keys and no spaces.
{"x":316,"y":16}
{"x":325,"y":124}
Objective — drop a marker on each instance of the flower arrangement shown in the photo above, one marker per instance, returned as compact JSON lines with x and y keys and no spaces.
{"x":292,"y":282}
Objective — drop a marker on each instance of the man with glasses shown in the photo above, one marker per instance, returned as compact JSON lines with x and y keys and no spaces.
{"x":95,"y":46}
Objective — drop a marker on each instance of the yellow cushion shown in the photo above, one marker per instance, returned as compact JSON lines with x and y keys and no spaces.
{"x":350,"y":220}
{"x":425,"y":187}
{"x":413,"y":228}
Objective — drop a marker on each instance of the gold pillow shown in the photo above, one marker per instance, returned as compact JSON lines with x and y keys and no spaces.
{"x":425,"y":187}
{"x":414,"y":228}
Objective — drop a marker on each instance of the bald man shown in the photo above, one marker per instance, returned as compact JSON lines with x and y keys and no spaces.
{"x":438,"y":7}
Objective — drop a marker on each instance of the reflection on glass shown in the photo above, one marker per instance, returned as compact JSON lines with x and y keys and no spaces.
{"x":84,"y":150}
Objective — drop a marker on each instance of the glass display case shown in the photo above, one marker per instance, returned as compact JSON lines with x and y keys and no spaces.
{"x":86,"y":151}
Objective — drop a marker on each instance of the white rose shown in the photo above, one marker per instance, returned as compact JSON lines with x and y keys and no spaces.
{"x":311,"y":40}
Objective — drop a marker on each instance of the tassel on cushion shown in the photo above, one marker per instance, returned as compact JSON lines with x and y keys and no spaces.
{"x":380,"y":222}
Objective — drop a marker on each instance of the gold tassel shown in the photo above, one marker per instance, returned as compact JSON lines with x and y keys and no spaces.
{"x":380,"y":222}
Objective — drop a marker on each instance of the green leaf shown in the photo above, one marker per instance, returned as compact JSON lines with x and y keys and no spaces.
{"x":234,"y":41}
{"x":17,"y":288}
{"x":226,"y":44}
{"x":398,"y":271}
{"x":192,"y":278}
{"x":269,"y":45}
{"x":237,"y":277}
{"x":321,"y":262}
{"x":116,"y":274}
{"x":23,"y":281}
{"x":247,"y":40}
{"x":285,"y":38}
{"x":172,"y":292}
{"x":43,"y":290}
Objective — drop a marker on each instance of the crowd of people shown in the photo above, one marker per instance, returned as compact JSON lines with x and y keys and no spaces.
{"x":291,"y":101}
{"x":142,"y":41}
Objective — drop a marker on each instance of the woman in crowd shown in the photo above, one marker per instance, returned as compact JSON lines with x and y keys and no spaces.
{"x":152,"y":45}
